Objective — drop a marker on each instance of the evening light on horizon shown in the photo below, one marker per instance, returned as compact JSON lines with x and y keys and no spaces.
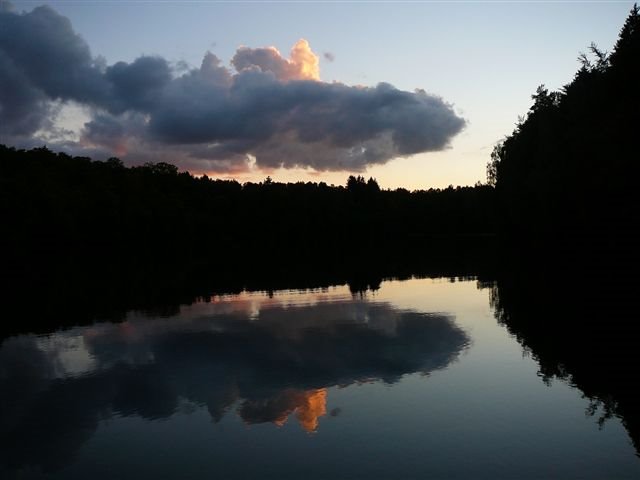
{"x":319,"y":240}
{"x":415,"y":94}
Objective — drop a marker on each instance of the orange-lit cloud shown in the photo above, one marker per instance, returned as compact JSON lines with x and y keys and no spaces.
{"x":303,"y":64}
{"x":305,"y":60}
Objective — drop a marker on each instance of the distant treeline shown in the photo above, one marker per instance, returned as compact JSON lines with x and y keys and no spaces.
{"x":571,"y":167}
{"x":55,"y":204}
{"x":91,"y":238}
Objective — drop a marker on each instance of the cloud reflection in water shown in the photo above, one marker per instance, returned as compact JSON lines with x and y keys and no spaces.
{"x":263,"y":359}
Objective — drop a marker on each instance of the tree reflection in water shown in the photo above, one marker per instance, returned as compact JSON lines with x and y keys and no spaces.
{"x":577,"y":321}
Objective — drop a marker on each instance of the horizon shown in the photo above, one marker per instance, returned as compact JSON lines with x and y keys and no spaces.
{"x":438,"y":137}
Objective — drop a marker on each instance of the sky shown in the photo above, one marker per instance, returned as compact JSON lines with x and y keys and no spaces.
{"x":414,"y":93}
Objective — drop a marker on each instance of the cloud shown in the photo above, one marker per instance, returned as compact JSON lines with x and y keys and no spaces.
{"x":138,"y":85}
{"x":23,"y":108}
{"x":264,"y":106}
{"x":303,"y":64}
{"x":41,"y":60}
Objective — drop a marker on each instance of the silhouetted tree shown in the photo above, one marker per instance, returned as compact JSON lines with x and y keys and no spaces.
{"x":570,"y":166}
{"x":355,"y":184}
{"x":372,"y":185}
{"x":154,"y":211}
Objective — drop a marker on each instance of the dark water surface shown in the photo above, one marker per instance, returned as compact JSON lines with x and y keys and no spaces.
{"x":414,"y":380}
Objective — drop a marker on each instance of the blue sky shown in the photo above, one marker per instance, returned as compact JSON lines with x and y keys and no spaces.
{"x":485,"y":58}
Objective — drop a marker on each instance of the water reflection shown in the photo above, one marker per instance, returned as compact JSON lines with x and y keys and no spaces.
{"x":308,"y":405}
{"x":258,"y":357}
{"x":580,"y":327}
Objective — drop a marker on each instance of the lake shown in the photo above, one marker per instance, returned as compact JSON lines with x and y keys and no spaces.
{"x":414,"y":379}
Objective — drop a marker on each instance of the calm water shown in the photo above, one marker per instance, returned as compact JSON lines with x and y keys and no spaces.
{"x":414,"y":380}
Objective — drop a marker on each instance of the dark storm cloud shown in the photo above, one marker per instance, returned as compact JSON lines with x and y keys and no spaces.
{"x":138,"y":85}
{"x":269,"y":107}
{"x":304,"y":123}
{"x":41,"y":51}
{"x":23,"y":108}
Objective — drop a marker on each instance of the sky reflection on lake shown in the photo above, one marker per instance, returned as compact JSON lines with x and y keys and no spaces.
{"x":414,"y":379}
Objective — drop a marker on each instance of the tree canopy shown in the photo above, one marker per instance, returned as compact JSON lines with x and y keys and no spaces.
{"x":571,"y":164}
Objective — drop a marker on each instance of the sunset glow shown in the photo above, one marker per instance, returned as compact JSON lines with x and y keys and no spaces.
{"x":223,"y":262}
{"x":154,"y":98}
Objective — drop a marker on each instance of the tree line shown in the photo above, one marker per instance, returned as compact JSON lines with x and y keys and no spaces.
{"x":568,"y":215}
{"x":55,"y":204}
{"x":570,"y":167}
{"x":94,"y":238}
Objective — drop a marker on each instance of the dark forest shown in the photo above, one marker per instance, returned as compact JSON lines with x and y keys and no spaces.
{"x":570,"y":168}
{"x":552,"y":234}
